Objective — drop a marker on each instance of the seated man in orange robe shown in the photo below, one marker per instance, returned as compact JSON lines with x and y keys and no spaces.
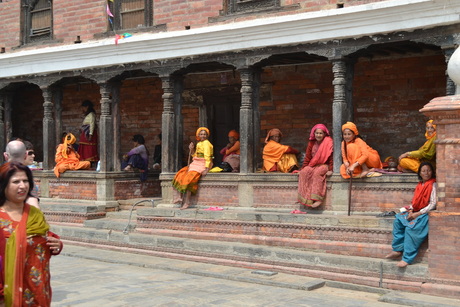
{"x":277,"y":157}
{"x":67,"y":158}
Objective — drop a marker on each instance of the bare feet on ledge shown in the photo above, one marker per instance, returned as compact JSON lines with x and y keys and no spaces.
{"x":184,"y":206}
{"x":129,"y":168}
{"x":402,"y":264}
{"x":393,"y":255}
{"x":316,"y":204}
{"x":177,"y":201}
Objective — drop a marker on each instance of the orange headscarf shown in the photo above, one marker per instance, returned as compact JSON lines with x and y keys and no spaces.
{"x":434,"y":133}
{"x":234,"y":134}
{"x":199,"y":130}
{"x":68,"y":140}
{"x":351,"y":126}
{"x":272,"y":132}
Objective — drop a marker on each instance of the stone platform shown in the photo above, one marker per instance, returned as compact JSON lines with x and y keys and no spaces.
{"x":334,"y":247}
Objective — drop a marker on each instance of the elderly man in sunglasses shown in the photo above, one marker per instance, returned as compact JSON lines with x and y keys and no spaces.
{"x":16,"y":151}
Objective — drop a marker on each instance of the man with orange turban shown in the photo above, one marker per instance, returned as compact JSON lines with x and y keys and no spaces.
{"x":231,"y":152}
{"x":67,"y":158}
{"x":358,"y":157}
{"x":277,"y":157}
{"x":411,"y":160}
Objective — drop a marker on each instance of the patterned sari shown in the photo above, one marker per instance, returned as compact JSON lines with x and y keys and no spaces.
{"x":312,"y":177}
{"x":26,"y":255}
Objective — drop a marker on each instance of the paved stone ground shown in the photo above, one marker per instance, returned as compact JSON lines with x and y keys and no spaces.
{"x":87,"y":276}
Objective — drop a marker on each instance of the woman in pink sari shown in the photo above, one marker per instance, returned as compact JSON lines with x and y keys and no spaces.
{"x":316,"y":167}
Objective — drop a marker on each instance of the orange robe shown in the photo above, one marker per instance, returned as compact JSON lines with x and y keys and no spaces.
{"x":275,"y":153}
{"x":359,"y":151}
{"x":72,"y":162}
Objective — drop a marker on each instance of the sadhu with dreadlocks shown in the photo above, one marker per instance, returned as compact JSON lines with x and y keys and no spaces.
{"x":67,"y":159}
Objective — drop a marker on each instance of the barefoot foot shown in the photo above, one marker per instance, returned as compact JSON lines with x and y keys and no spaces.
{"x":184,"y":206}
{"x":177,"y":201}
{"x":402,"y":264}
{"x":316,"y":204}
{"x":393,"y":255}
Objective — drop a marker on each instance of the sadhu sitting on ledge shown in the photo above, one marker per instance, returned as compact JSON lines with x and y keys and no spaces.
{"x":67,"y":158}
{"x":277,"y":157}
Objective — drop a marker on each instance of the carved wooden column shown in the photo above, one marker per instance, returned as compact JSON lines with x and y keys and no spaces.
{"x":247,"y":121}
{"x":105,"y":130}
{"x":116,"y":117}
{"x":49,"y":129}
{"x":341,"y":112}
{"x":8,"y":99}
{"x":57,"y":100}
{"x":171,"y":124}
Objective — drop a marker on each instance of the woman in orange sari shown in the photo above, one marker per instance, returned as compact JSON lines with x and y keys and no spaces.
{"x":411,"y":160}
{"x":410,"y":227}
{"x":277,"y":157}
{"x":231,"y":152}
{"x":26,"y":244}
{"x":316,"y":166}
{"x":358,"y":157}
{"x":186,"y":179}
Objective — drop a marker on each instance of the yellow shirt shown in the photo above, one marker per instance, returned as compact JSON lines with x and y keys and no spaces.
{"x":204,"y":149}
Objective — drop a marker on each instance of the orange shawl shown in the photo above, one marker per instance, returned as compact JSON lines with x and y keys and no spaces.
{"x":272,"y":153}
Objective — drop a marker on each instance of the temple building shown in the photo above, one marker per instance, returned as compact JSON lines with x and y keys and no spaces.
{"x":168,"y":67}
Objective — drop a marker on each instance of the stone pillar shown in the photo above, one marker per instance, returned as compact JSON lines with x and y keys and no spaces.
{"x":445,"y":220}
{"x":170,"y":137}
{"x":116,"y":117}
{"x":8,"y":99}
{"x":49,"y":130}
{"x":340,"y":110}
{"x":105,"y":130}
{"x":246,"y":122}
{"x":57,"y":99}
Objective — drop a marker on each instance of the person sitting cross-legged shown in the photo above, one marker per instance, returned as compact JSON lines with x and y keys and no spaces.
{"x":67,"y":159}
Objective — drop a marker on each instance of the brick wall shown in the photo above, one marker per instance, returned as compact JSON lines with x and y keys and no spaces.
{"x":79,"y":18}
{"x":10,"y":24}
{"x":71,"y":189}
{"x":128,"y":189}
{"x":387,"y":97}
{"x":141,"y":107}
{"x":88,"y":18}
{"x":295,"y":99}
{"x":444,"y":253}
{"x":73,"y":96}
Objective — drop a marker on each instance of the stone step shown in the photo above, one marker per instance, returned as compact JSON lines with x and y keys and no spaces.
{"x":110,"y":224}
{"x":364,"y":236}
{"x":278,"y":216}
{"x":311,"y":263}
{"x":71,"y":211}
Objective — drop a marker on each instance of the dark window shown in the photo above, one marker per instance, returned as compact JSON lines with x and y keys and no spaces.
{"x":38,"y":20}
{"x":131,"y":14}
{"x":249,"y":6}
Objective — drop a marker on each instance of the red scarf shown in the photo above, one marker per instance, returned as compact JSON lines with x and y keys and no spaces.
{"x":422,"y":194}
{"x":323,"y":153}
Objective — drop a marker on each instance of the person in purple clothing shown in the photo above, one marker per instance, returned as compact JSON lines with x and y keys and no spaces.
{"x":138,"y":157}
